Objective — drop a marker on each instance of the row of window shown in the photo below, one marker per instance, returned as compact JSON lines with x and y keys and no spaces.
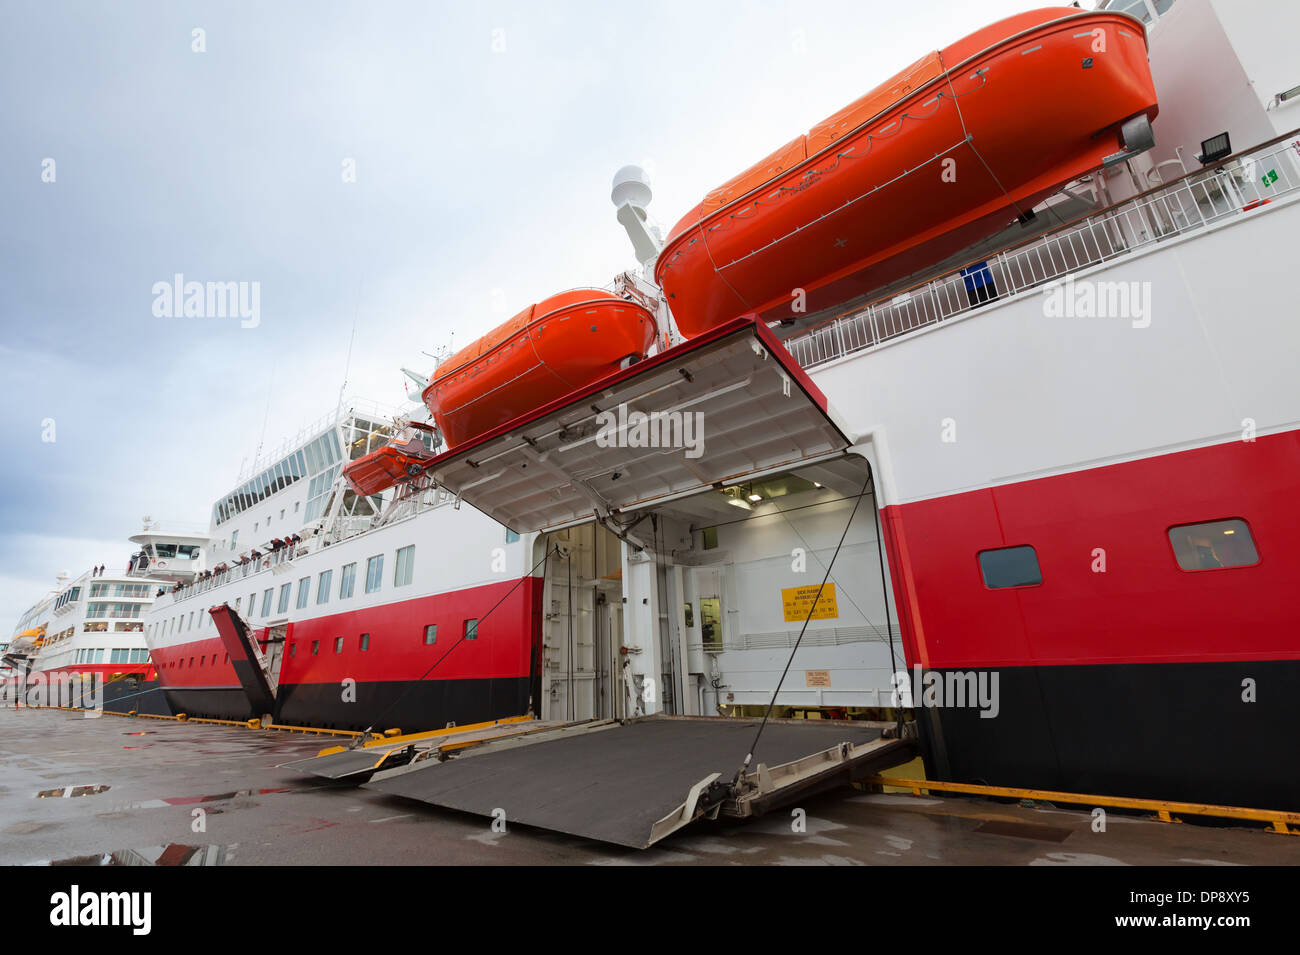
{"x":430,"y":636}
{"x":67,"y":597}
{"x":202,"y":661}
{"x":469,"y":630}
{"x":319,"y":454}
{"x":119,"y":655}
{"x":109,"y":610}
{"x":1210,"y":545}
{"x":119,"y":590}
{"x":403,"y":574}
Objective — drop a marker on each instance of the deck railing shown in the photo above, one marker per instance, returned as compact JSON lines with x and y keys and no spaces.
{"x":1232,"y":188}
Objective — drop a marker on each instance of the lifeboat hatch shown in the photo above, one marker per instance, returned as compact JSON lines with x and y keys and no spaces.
{"x":636,"y":782}
{"x":727,"y":405}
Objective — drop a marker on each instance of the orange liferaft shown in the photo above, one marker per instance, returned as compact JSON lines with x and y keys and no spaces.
{"x":546,"y":351}
{"x":944,"y":154}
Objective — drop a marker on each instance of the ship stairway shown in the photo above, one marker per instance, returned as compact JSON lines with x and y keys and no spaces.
{"x":251,"y":667}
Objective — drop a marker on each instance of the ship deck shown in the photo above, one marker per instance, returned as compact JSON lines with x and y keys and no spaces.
{"x":158,"y":773}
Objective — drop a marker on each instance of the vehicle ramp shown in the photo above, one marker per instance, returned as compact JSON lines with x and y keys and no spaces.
{"x":634,"y":783}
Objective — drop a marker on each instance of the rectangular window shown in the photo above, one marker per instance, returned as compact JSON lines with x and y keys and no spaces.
{"x":365,"y":641}
{"x":283,"y":605}
{"x":304,"y":591}
{"x":1213,"y":545}
{"x":323,"y":586}
{"x":405,"y":566}
{"x":374,"y":573}
{"x":266,"y":601}
{"x":293,"y":650}
{"x":511,"y":536}
{"x":347,"y":580}
{"x":431,"y":634}
{"x":338,"y":644}
{"x":315,"y":647}
{"x":1010,"y":567}
{"x":471,"y":629}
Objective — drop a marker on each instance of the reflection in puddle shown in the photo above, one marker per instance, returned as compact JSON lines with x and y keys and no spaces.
{"x":190,"y":800}
{"x":169,"y":855}
{"x":69,"y":791}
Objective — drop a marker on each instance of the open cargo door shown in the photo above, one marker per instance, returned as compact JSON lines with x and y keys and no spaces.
{"x":245,"y":657}
{"x":729,"y":405}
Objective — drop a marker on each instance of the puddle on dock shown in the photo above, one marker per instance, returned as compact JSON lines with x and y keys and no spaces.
{"x":174,"y":854}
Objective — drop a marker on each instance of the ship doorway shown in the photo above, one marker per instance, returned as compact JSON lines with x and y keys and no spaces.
{"x":273,"y":651}
{"x":582,"y":625}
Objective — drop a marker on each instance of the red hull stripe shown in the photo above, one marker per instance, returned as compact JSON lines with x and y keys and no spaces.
{"x":397,"y":649}
{"x":1143,"y":608}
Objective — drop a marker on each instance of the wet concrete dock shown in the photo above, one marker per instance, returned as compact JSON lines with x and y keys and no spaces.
{"x":191,"y":794}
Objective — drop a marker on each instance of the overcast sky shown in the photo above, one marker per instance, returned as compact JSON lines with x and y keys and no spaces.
{"x":483,"y":136}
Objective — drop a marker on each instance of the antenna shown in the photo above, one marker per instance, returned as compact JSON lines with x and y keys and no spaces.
{"x":347,"y":364}
{"x":631,"y":193}
{"x":270,"y":385}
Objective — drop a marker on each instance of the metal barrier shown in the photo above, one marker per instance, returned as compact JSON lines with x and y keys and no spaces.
{"x":1230,"y":189}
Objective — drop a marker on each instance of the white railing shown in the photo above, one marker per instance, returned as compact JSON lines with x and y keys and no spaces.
{"x":1232,"y":188}
{"x":345,"y":528}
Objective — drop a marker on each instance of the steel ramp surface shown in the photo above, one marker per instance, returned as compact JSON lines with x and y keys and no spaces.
{"x":634,"y":783}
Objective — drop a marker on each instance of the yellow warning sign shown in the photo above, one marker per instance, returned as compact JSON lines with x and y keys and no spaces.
{"x":816,"y":677}
{"x":796,"y":601}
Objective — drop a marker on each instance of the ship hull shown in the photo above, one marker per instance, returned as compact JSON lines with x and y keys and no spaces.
{"x":544,"y":352}
{"x":964,"y":142}
{"x":398,"y":680}
{"x":1131,"y":676}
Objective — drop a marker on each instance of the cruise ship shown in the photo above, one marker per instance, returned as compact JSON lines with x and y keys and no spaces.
{"x":970,"y":407}
{"x":1032,"y":484}
{"x":83,"y":643}
{"x":351,"y":600}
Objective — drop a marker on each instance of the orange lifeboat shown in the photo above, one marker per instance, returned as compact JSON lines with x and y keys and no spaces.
{"x":384,"y":467}
{"x":546,"y":351}
{"x":944,"y":154}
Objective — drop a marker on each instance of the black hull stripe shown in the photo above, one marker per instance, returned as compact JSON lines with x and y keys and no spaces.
{"x":1176,"y":731}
